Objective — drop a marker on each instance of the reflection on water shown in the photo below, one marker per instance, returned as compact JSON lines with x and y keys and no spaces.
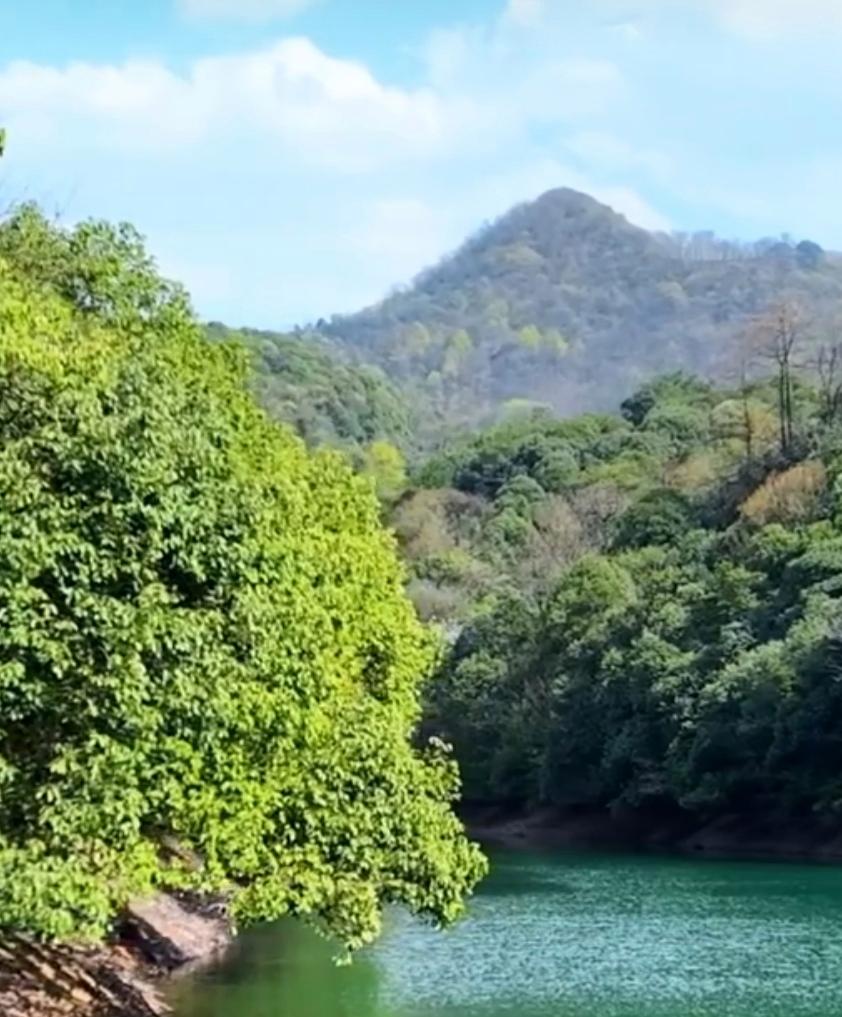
{"x":283,"y":970}
{"x":568,"y":936}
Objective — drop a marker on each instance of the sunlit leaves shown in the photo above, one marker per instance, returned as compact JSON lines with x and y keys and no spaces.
{"x":205,"y":637}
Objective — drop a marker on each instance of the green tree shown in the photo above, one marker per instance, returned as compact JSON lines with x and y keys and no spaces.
{"x":456,"y":353}
{"x":386,"y":466}
{"x":661,"y":516}
{"x":205,"y":634}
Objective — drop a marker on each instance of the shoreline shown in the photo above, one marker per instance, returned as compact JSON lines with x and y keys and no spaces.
{"x":155,"y":941}
{"x":755,"y":837}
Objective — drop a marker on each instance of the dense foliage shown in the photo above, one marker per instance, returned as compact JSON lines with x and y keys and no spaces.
{"x":512,"y":507}
{"x":309,"y":383}
{"x":561,"y":301}
{"x":208,"y":669}
{"x":683,"y":652}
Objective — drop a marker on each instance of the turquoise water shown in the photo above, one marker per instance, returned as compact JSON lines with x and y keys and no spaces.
{"x":568,"y":936}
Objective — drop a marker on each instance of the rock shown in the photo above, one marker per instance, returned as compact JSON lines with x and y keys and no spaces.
{"x":173,"y":935}
{"x":39,"y":980}
{"x":157,"y":936}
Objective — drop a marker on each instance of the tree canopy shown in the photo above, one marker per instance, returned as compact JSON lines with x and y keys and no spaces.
{"x":315,"y":387}
{"x":645,"y":610}
{"x":205,"y":639}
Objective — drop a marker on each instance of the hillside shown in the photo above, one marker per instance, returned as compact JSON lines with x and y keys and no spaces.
{"x":310,"y":384}
{"x":564,"y":302}
{"x":645,"y":610}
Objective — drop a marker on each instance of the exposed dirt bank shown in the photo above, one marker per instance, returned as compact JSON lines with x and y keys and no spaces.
{"x":728,"y":836}
{"x":157,"y":939}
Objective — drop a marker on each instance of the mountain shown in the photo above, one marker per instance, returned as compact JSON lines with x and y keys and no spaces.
{"x":564,"y":302}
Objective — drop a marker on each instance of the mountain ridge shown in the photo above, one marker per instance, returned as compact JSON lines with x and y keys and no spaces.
{"x":564,"y":302}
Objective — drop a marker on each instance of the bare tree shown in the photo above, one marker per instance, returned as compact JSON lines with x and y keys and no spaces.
{"x":776,"y":339}
{"x":827,"y":365}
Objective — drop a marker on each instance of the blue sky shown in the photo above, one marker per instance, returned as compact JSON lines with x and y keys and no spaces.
{"x":288,"y":159}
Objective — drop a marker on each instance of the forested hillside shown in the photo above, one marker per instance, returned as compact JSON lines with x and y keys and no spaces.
{"x":641,"y":600}
{"x":563,"y":302}
{"x":315,"y":386}
{"x":645,"y":608}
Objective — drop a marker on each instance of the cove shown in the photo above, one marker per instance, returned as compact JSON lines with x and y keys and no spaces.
{"x":567,"y":935}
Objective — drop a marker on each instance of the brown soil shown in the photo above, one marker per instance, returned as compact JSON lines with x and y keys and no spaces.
{"x":156,"y":939}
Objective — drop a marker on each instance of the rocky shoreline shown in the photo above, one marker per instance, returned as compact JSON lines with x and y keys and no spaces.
{"x":756,"y":836}
{"x":162,"y":937}
{"x":155,"y":940}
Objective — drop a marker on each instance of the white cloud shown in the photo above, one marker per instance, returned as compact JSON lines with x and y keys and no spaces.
{"x":286,"y":178}
{"x":446,"y":53}
{"x":772,"y":18}
{"x":137,"y":103}
{"x":755,"y":19}
{"x":630,"y":31}
{"x":243,"y":10}
{"x":567,"y":89}
{"x":524,"y":12}
{"x":319,"y":109}
{"x":309,"y":107}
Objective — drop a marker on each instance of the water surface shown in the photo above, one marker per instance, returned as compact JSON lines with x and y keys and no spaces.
{"x":568,"y":936}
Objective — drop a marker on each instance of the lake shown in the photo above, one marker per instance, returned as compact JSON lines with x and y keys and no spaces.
{"x":567,"y":935}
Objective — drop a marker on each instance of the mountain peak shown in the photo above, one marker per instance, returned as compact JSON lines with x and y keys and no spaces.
{"x":564,"y":207}
{"x":563,"y":301}
{"x":558,"y":223}
{"x":570,"y":200}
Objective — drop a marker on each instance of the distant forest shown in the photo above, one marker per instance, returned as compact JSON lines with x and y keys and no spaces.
{"x":641,"y":603}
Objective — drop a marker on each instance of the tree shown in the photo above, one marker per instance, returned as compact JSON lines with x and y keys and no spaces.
{"x":828,"y":368}
{"x":205,"y":634}
{"x":677,"y":388}
{"x":456,"y":353}
{"x":809,"y":255}
{"x":777,"y":336}
{"x":788,"y":497}
{"x":747,"y":420}
{"x":661,"y":516}
{"x":385,"y":465}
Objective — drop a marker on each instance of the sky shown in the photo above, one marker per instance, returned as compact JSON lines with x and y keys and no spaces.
{"x":290,"y":159}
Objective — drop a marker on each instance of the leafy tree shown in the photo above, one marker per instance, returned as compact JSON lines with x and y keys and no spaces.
{"x":205,"y":637}
{"x":678,"y":389}
{"x":791,"y":496}
{"x":661,"y":516}
{"x":385,"y":465}
{"x":809,"y":254}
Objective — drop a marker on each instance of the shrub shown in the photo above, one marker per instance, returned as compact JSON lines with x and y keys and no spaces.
{"x":788,"y":497}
